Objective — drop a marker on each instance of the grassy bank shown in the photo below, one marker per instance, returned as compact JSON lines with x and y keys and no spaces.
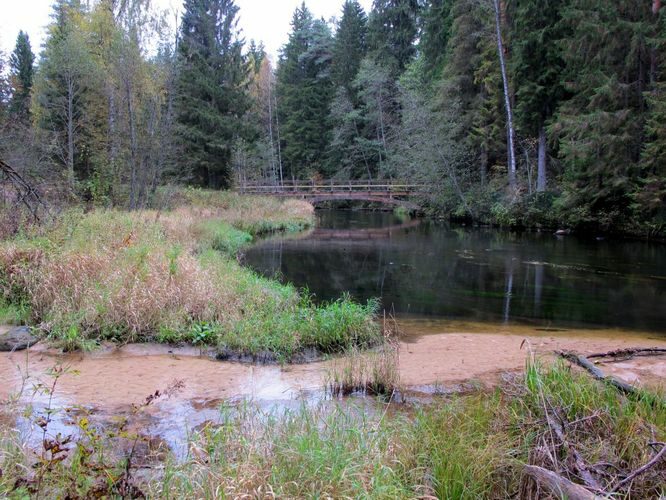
{"x":466,"y":447}
{"x":171,"y":276}
{"x":474,"y":446}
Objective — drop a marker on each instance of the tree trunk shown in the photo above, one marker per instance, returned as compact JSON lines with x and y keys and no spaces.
{"x":558,"y":486}
{"x":70,"y":133}
{"x":279,"y":145}
{"x":541,"y":163}
{"x":507,"y":98}
{"x":133,"y":147}
{"x":273,"y":168}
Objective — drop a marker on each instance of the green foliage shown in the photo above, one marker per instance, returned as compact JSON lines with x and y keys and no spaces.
{"x":127,"y":277}
{"x":14,"y":313}
{"x":465,"y":447}
{"x":537,"y":61}
{"x":305,"y":90}
{"x":437,"y":25}
{"x":649,"y":194}
{"x":225,"y":238}
{"x":212,"y":90}
{"x":65,"y":83}
{"x":600,"y":127}
{"x":392,"y":31}
{"x":350,"y":45}
{"x":327,"y":328}
{"x":21,"y":65}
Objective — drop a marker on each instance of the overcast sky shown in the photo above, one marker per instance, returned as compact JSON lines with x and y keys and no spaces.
{"x":265,"y":20}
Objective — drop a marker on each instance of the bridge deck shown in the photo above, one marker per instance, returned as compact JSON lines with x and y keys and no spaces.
{"x":394,"y":193}
{"x":319,"y":187}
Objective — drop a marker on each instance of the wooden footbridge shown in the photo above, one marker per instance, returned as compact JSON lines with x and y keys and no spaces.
{"x":385,"y":192}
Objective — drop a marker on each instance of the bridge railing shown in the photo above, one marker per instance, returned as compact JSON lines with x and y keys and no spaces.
{"x":329,"y":186}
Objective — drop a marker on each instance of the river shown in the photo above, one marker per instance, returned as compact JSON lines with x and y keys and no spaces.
{"x":423,"y":269}
{"x":469,"y":303}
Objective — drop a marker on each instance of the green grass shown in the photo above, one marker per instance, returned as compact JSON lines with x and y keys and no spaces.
{"x":464,"y":447}
{"x":13,"y":314}
{"x":223,"y":237}
{"x":172,"y":277}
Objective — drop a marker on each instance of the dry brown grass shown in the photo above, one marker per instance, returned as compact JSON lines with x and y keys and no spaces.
{"x":165,"y":275}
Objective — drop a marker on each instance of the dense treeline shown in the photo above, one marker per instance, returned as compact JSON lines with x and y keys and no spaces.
{"x":519,"y":112}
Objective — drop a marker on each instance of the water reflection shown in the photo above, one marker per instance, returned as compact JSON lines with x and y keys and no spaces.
{"x":428,"y":268}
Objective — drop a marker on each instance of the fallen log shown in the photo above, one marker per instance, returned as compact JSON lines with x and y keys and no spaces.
{"x":596,"y":372}
{"x":558,"y":486}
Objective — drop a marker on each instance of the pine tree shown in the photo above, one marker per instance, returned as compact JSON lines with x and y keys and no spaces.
{"x":392,"y":31}
{"x":212,"y":89}
{"x":22,"y":69}
{"x":305,"y":91}
{"x":350,"y":44}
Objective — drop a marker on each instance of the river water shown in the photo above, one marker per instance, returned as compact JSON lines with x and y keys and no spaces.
{"x":432,"y":270}
{"x":467,"y":301}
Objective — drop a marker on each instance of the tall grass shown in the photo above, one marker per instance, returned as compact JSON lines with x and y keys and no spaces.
{"x":374,"y":372}
{"x":172,"y":276}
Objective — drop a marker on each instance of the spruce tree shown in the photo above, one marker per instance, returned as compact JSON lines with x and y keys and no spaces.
{"x":649,"y":192}
{"x":22,"y":70}
{"x":599,"y":128}
{"x":472,"y":83}
{"x":392,"y":31}
{"x":435,"y":36}
{"x":350,"y":44}
{"x":537,"y":70}
{"x":305,"y":91}
{"x":212,"y":89}
{"x":64,"y":83}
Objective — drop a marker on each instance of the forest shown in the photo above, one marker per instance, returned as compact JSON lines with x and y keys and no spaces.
{"x":520,"y":113}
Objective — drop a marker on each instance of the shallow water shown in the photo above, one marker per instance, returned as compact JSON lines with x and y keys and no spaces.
{"x":470,"y":303}
{"x":434,"y":270}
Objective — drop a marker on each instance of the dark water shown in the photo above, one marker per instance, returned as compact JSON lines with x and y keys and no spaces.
{"x":427,"y":268}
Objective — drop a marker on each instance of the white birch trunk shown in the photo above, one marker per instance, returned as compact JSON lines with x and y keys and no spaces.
{"x":507,"y":99}
{"x":541,"y":162}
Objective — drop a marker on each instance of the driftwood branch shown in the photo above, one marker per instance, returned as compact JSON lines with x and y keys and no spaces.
{"x":596,"y":372}
{"x":557,"y":425}
{"x":629,"y":353}
{"x":641,"y":470}
{"x":26,"y":194}
{"x":557,"y":485}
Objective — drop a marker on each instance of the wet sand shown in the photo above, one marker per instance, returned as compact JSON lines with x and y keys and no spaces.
{"x":113,"y":377}
{"x":434,"y":357}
